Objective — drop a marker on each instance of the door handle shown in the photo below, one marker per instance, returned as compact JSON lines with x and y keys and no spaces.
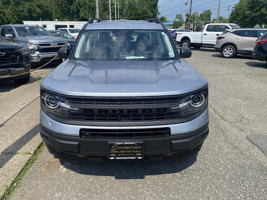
{"x":217,"y":34}
{"x":205,"y":33}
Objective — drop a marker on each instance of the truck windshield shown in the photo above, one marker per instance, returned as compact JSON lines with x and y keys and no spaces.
{"x":24,"y":31}
{"x":124,"y":45}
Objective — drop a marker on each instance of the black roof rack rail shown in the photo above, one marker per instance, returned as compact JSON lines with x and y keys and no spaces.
{"x":156,"y":20}
{"x":94,"y":20}
{"x":91,"y":21}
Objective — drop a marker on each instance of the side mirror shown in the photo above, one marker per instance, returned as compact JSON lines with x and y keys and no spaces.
{"x":185,"y":52}
{"x":9,"y":36}
{"x":63,"y":52}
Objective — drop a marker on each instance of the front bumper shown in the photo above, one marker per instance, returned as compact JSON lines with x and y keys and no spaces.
{"x":14,"y":69}
{"x":37,"y":57}
{"x":66,"y":138}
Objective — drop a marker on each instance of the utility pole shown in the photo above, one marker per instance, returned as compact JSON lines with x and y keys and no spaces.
{"x":109,"y":2}
{"x":118,"y":9}
{"x":190,"y":10}
{"x":218,"y":16}
{"x":97,"y":9}
{"x":115,"y":11}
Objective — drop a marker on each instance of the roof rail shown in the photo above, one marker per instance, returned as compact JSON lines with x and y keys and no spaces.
{"x":91,"y":21}
{"x":94,"y":20}
{"x":156,"y":20}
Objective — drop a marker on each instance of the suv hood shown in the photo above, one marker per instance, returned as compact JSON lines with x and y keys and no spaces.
{"x":124,"y":78}
{"x":41,"y":39}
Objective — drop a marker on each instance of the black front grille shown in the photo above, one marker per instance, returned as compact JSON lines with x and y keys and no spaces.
{"x":52,"y":49}
{"x":125,"y":133}
{"x":125,"y":110}
{"x":9,"y":57}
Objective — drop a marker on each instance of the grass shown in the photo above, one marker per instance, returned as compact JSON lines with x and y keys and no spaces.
{"x":8,"y":191}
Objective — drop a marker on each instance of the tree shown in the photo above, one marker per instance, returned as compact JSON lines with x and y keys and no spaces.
{"x":163,"y":19}
{"x":179,"y":21}
{"x":205,"y":16}
{"x":248,"y":13}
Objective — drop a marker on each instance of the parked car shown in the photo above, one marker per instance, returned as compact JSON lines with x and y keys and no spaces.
{"x":14,"y":62}
{"x":72,"y":31}
{"x":67,"y":37}
{"x":238,"y":41}
{"x":42,"y":44}
{"x":205,"y":38}
{"x":174,"y":31}
{"x":124,"y":92}
{"x":260,"y":50}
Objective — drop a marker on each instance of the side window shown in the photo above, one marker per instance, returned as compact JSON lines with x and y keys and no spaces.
{"x":264,"y":36}
{"x":238,"y":33}
{"x":246,"y":33}
{"x":251,"y":33}
{"x":216,"y":28}
{"x":210,"y":28}
{"x":261,"y":32}
{"x":7,"y":30}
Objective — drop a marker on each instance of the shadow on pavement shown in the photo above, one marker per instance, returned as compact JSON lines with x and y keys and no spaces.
{"x":258,"y":64}
{"x":14,"y":148}
{"x":130,"y":169}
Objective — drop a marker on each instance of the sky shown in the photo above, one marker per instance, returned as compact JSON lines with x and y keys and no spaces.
{"x":169,"y":8}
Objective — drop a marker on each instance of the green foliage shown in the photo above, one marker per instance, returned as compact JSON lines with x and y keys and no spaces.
{"x":248,"y":13}
{"x":16,"y":11}
{"x":163,"y":19}
{"x":205,"y":16}
{"x":179,"y":21}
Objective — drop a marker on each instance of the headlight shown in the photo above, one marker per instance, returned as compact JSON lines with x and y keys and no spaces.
{"x":51,"y":101}
{"x":33,"y":47}
{"x":193,"y":104}
{"x":55,"y":104}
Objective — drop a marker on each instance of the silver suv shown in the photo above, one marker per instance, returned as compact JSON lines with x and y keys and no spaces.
{"x":238,"y":41}
{"x":124,"y":92}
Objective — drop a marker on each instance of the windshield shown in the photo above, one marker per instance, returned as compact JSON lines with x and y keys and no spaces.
{"x":74,"y":30}
{"x":63,"y":35}
{"x":124,"y":45}
{"x":24,"y":31}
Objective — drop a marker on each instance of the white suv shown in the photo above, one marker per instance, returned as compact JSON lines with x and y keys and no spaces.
{"x":238,"y":41}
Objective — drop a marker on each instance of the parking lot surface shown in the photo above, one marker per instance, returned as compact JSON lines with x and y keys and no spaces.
{"x":232,"y":163}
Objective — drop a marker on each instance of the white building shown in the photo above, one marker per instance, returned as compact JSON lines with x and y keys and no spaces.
{"x":55,"y":25}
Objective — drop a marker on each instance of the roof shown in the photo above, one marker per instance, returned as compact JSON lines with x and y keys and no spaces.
{"x":231,"y":30}
{"x":125,"y":24}
{"x":19,"y":25}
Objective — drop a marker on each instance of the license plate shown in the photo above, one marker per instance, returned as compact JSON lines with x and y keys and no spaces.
{"x":126,"y":150}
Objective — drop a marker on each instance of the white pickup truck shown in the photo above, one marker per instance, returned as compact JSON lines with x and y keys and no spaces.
{"x":205,"y":38}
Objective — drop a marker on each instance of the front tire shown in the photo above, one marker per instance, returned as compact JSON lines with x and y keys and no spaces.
{"x":185,"y":43}
{"x":228,"y":51}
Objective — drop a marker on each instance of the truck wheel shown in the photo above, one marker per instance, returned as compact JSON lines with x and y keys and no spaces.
{"x":228,"y":51}
{"x":185,"y":43}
